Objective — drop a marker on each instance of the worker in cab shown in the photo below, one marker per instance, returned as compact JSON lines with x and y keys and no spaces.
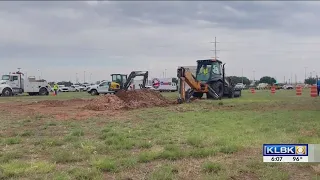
{"x":55,"y":88}
{"x":204,"y":70}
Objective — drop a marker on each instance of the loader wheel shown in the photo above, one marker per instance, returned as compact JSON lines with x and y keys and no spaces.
{"x":218,"y":88}
{"x":197,"y":95}
{"x":43,"y":92}
{"x":6,"y":92}
{"x":231,"y":93}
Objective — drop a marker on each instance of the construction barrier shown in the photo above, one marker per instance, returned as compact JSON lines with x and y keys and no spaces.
{"x":273,"y":89}
{"x":252,"y":90}
{"x":313,"y":91}
{"x":298,"y":90}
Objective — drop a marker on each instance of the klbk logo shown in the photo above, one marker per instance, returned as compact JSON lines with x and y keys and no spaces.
{"x":286,"y":149}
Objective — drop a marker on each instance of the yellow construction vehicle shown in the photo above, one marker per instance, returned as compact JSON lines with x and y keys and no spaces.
{"x":210,"y":79}
{"x":119,"y":82}
{"x":122,"y":81}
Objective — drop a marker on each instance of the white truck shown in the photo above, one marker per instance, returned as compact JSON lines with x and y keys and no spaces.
{"x":102,"y":88}
{"x":14,"y":83}
{"x":163,"y":84}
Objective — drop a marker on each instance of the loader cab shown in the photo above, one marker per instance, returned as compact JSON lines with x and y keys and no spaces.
{"x":209,"y":70}
{"x":121,"y":79}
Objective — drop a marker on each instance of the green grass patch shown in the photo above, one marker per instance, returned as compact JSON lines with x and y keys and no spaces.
{"x":5,"y":157}
{"x":68,"y":156}
{"x":147,"y":156}
{"x":77,"y":132}
{"x":165,"y":172}
{"x":85,"y":173}
{"x":105,"y":164}
{"x":211,"y":167}
{"x":17,"y":169}
{"x":12,"y":140}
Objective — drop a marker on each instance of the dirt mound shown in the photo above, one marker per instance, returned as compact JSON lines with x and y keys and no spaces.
{"x":128,"y":100}
{"x":143,"y":98}
{"x":106,"y":102}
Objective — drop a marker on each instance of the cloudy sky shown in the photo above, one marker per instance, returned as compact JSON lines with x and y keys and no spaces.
{"x":60,"y":39}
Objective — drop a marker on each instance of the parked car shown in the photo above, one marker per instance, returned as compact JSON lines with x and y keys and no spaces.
{"x":240,"y":86}
{"x":76,"y":88}
{"x":63,"y":88}
{"x":287,"y":86}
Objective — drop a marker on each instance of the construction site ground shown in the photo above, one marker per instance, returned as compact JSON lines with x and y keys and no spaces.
{"x":145,"y":135}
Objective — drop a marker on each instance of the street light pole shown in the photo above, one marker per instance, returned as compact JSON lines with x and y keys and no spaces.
{"x":253,"y":76}
{"x":84,"y":76}
{"x":242,"y":75}
{"x":305,"y":73}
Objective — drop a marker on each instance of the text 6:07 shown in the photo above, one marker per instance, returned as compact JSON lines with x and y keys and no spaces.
{"x":276,"y":159}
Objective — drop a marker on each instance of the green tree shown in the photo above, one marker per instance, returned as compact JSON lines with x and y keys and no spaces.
{"x":237,"y":79}
{"x":267,"y":79}
{"x":310,"y":81}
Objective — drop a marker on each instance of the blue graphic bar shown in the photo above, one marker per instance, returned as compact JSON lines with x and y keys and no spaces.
{"x":285,"y":149}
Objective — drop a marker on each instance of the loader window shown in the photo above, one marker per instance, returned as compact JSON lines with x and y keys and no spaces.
{"x":216,"y":68}
{"x":14,"y":78}
{"x":203,"y":75}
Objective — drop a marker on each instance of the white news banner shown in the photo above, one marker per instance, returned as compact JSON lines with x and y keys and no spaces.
{"x":285,"y":159}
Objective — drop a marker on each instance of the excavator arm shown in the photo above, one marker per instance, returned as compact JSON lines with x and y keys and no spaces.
{"x":134,"y":74}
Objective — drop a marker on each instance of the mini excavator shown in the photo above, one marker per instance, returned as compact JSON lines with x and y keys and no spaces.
{"x":123,"y":81}
{"x":210,"y":79}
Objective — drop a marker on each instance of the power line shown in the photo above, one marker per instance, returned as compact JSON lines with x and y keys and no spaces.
{"x":215,"y":47}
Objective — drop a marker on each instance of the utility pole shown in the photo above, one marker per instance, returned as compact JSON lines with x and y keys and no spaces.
{"x":295,"y":77}
{"x":215,"y":47}
{"x":291,"y":79}
{"x":305,"y":73}
{"x":284,"y":79}
{"x":253,"y":76}
{"x":84,"y":76}
{"x":242,"y":75}
{"x":77,"y":78}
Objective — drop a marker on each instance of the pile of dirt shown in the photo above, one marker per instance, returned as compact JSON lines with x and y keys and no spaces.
{"x":106,"y":102}
{"x":128,"y":100}
{"x":143,"y":98}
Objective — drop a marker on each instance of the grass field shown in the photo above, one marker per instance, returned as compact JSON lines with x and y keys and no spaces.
{"x":201,"y":140}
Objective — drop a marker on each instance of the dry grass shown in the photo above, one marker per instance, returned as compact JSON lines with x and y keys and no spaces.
{"x":202,"y":140}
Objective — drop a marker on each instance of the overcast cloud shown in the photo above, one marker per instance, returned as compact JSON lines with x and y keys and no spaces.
{"x":59,"y":39}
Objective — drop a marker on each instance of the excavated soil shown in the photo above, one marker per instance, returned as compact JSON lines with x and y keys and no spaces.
{"x":128,"y":100}
{"x":106,"y":102}
{"x":85,"y":108}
